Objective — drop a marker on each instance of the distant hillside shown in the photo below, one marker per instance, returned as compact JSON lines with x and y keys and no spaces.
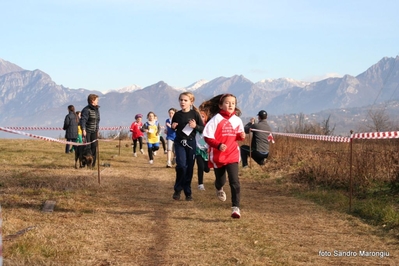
{"x":32,"y":98}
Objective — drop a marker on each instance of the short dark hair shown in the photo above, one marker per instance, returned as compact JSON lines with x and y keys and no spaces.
{"x":262,"y":114}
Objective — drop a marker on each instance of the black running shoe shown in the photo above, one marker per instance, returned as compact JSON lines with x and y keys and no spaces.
{"x":189,"y":198}
{"x":176,"y":195}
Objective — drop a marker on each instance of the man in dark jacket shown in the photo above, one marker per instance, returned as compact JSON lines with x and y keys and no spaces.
{"x":71,"y":127}
{"x":259,"y":144}
{"x":90,"y":123}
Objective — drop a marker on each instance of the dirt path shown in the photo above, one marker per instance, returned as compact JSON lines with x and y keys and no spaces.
{"x":275,"y":229}
{"x":131,"y":219}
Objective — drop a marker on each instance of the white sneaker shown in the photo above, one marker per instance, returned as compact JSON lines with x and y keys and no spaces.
{"x":151,"y":161}
{"x":221,"y":195}
{"x":142,"y":152}
{"x":168,"y":165}
{"x":155,"y":153}
{"x":165,"y":152}
{"x":201,"y":187}
{"x":235,"y":212}
{"x":135,"y":154}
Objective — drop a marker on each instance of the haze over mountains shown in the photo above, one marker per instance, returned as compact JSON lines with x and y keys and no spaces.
{"x":32,"y":98}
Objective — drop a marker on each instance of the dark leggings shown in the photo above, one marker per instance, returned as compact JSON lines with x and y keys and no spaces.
{"x":140,"y":139}
{"x":91,"y":136}
{"x":68,"y":147}
{"x":163,"y":142}
{"x":202,"y":166}
{"x":151,"y":149}
{"x":234,"y":182}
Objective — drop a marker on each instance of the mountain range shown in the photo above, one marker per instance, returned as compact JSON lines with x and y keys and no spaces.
{"x":32,"y":98}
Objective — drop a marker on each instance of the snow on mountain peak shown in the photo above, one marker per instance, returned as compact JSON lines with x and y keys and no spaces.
{"x":197,"y":84}
{"x":280,"y":84}
{"x":130,"y":88}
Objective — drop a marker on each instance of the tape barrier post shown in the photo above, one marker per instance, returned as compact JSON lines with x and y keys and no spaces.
{"x":98,"y":160}
{"x":250,"y":148}
{"x":119,"y":153}
{"x":1,"y":239}
{"x":350,"y":172}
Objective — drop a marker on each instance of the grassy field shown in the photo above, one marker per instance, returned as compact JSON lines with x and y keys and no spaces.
{"x":126,"y":215}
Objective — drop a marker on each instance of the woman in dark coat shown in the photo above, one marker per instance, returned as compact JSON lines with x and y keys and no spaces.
{"x":71,"y":127}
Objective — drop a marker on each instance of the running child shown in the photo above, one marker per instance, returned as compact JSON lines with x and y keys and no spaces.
{"x":186,"y":122}
{"x":221,"y":133}
{"x":161,"y":138}
{"x":170,"y":138}
{"x":201,"y":152}
{"x":79,"y":139}
{"x":152,"y":128}
{"x":137,"y":134}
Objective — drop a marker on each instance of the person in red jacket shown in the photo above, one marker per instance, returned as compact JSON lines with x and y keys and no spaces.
{"x":137,"y":134}
{"x":221,"y":133}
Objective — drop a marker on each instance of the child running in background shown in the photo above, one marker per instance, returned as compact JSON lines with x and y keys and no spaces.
{"x":79,"y":139}
{"x":221,"y":133}
{"x":137,"y":134}
{"x":186,"y":122}
{"x":170,"y":137}
{"x":201,"y":152}
{"x":152,"y":128}
{"x":161,"y":139}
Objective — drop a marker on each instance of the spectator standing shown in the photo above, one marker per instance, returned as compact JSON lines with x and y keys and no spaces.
{"x":90,"y":123}
{"x":71,"y":122}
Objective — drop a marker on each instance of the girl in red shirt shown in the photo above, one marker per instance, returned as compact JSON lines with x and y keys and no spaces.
{"x":137,"y":134}
{"x":221,"y":133}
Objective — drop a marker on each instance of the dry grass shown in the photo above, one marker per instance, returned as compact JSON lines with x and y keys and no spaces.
{"x":131,"y":219}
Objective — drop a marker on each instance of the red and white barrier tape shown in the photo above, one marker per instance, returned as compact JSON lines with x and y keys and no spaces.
{"x":370,"y":135}
{"x":53,"y":139}
{"x":308,"y":136}
{"x":376,"y":135}
{"x":43,"y":138}
{"x":316,"y":137}
{"x":60,"y":128}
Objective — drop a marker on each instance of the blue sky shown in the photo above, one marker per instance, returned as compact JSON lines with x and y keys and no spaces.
{"x":109,"y":44}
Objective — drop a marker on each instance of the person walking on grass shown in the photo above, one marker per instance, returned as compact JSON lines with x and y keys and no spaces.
{"x":221,"y":133}
{"x":170,"y":138}
{"x":137,"y":134}
{"x":259,"y":149}
{"x":90,"y":123}
{"x":71,"y":122}
{"x":152,"y":128}
{"x":186,"y":122}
